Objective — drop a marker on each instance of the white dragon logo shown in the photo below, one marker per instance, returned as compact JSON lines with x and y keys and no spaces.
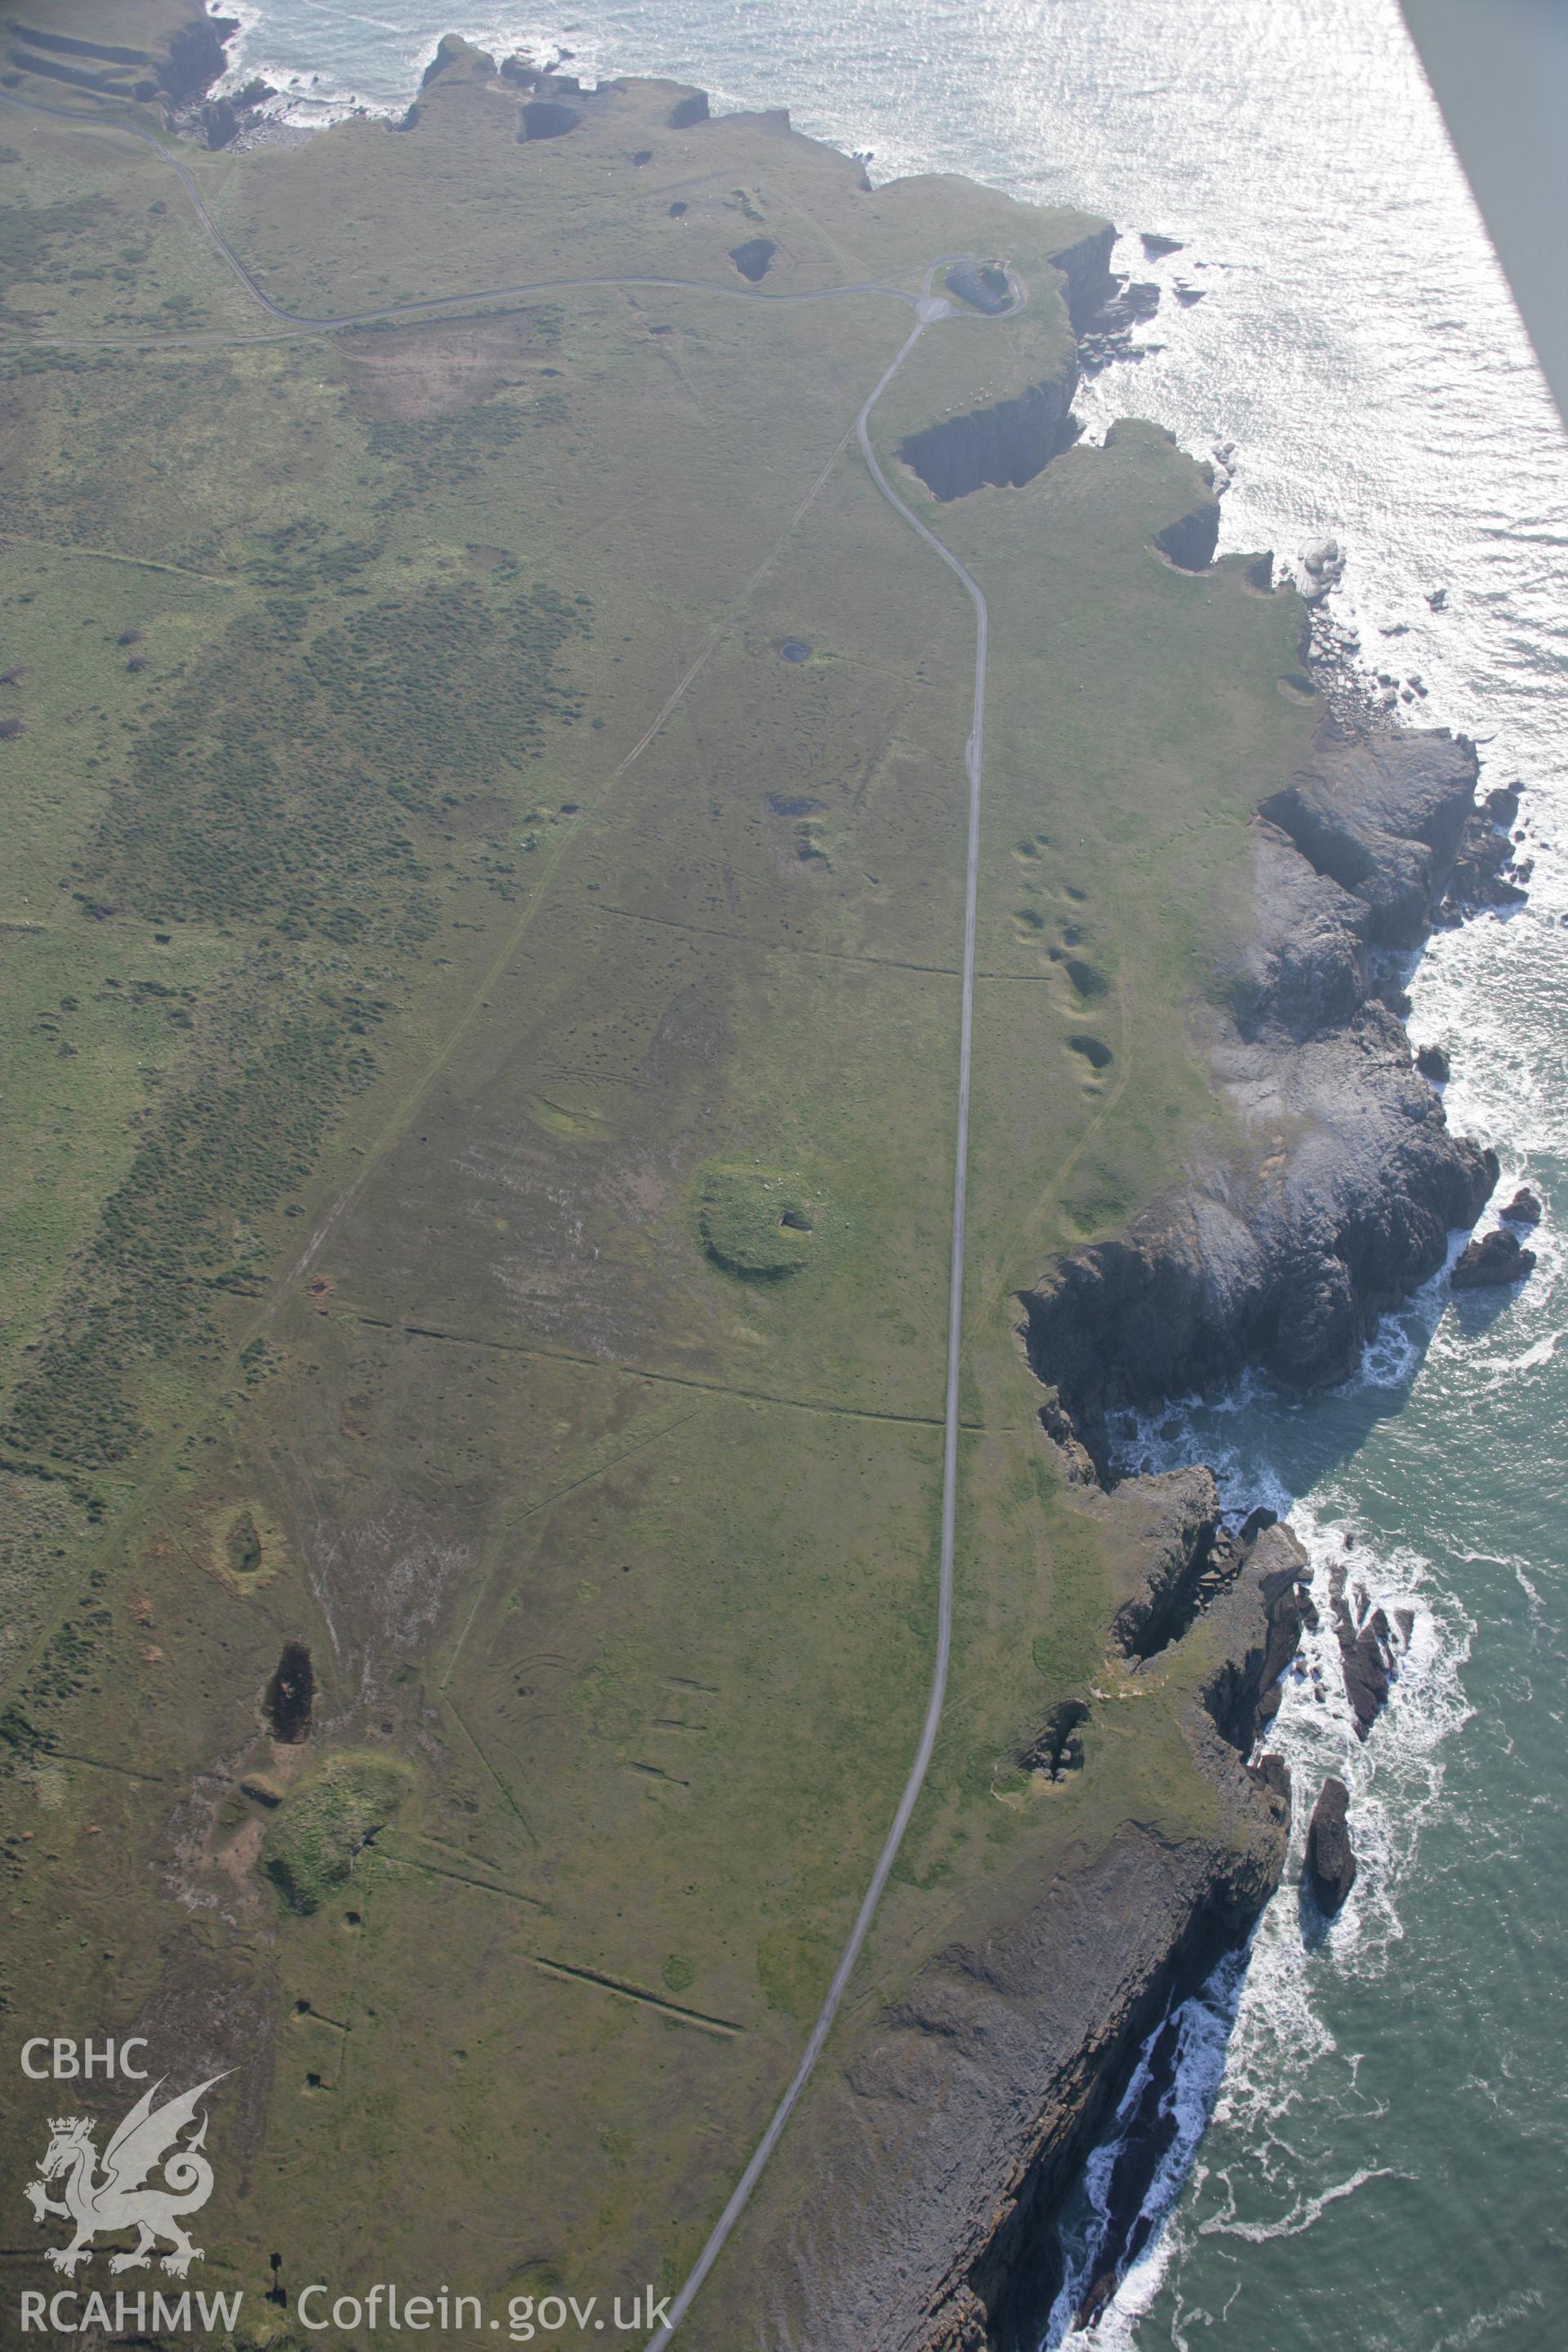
{"x":118,"y":2197}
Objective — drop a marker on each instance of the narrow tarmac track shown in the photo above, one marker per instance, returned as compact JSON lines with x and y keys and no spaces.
{"x":930,"y":309}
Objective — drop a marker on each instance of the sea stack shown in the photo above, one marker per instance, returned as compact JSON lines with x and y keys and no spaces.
{"x":1496,"y":1259}
{"x":1331,"y":1867}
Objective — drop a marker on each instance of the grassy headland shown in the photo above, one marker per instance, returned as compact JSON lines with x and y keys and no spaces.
{"x":401,"y":1040}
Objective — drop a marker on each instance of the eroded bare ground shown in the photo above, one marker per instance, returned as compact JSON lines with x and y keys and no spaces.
{"x":409,"y":375}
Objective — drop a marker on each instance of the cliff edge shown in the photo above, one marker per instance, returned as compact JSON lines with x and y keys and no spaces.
{"x":1330,"y":1191}
{"x":947,"y":2144}
{"x":945,"y":2147}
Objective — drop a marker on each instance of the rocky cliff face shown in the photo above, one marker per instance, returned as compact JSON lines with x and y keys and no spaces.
{"x":957,"y":2132}
{"x":1282,"y":1252}
{"x":1086,"y":266}
{"x":194,"y":57}
{"x":1325,"y":1195}
{"x":1008,"y":444}
{"x":1004,"y":446}
{"x":958,"y":2129}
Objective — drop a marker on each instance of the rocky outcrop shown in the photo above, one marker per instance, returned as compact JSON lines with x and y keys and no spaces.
{"x":1524,"y":1208}
{"x":1384,"y":817}
{"x":1369,"y":1652}
{"x":1282,"y":1251}
{"x":194,"y":57}
{"x":1185,"y":1559}
{"x":1085,"y":266}
{"x":1177,"y":1529}
{"x":1257,"y":1629}
{"x":1322,"y":568}
{"x":982,"y":284}
{"x":1108,"y":331}
{"x":1486,"y":874}
{"x":221,"y":120}
{"x":1330,"y":1869}
{"x":979,"y":2100}
{"x":456,"y":54}
{"x":1495,"y":1260}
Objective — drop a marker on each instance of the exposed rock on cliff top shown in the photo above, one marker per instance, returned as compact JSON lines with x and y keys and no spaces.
{"x":1283,"y":1248}
{"x":1179,"y":1556}
{"x":1384,"y":817}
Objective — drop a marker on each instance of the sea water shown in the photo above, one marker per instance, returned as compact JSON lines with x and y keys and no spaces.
{"x":1367,"y":2137}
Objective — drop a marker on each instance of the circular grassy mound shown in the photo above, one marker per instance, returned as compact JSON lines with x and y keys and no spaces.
{"x":322,"y":1825}
{"x":756,"y":1222}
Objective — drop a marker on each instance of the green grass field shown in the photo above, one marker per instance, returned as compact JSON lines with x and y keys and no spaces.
{"x":445,"y":943}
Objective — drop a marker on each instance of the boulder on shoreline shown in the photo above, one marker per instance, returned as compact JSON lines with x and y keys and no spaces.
{"x":1524,"y":1208}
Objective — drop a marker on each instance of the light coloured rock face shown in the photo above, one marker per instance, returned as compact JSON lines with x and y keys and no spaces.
{"x":1322,"y":568}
